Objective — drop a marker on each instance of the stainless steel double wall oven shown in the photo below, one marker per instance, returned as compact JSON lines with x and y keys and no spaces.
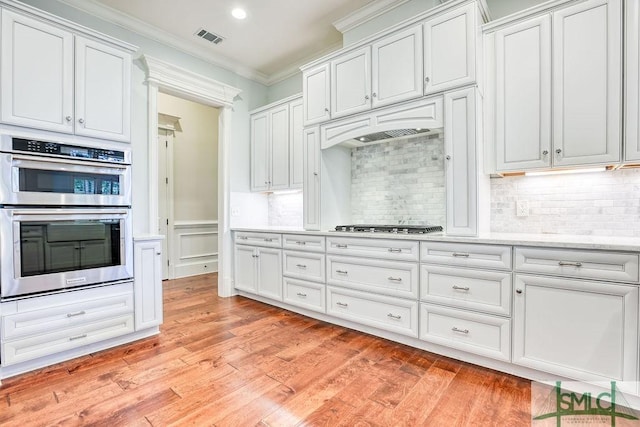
{"x":65,"y":217}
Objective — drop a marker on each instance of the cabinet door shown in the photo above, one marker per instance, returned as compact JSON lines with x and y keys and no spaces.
{"x":632,"y":81}
{"x":296,"y":145}
{"x":270,"y":273}
{"x":147,"y":283}
{"x":245,"y":268}
{"x":279,"y":143}
{"x":523,"y":95}
{"x":311,"y":188}
{"x":37,"y":74}
{"x":260,"y":155}
{"x":103,"y":91}
{"x":397,"y":67}
{"x":62,"y":256}
{"x":95,"y":253}
{"x":450,"y":49}
{"x":587,"y":83}
{"x":32,"y":255}
{"x":579,"y":329}
{"x":460,"y":162}
{"x":351,"y":83}
{"x":316,"y":94}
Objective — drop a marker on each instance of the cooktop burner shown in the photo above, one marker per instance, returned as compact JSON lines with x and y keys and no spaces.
{"x":398,"y":229}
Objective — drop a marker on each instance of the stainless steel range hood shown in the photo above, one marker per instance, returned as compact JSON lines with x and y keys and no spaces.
{"x":406,"y":120}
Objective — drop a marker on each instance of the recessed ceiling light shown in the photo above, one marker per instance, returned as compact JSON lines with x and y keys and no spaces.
{"x":239,"y":13}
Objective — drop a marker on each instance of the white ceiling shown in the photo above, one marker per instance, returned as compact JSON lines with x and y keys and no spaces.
{"x":276,"y":38}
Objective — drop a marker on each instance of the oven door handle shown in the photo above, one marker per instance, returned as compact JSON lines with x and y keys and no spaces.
{"x":32,"y":160}
{"x":68,"y":212}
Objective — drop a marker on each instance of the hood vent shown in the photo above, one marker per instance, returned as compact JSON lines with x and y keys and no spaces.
{"x":209,"y":36}
{"x":390,"y":134}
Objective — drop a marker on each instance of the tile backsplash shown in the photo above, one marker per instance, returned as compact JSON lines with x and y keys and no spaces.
{"x":605,"y":204}
{"x":285,"y":209}
{"x":399,"y":182}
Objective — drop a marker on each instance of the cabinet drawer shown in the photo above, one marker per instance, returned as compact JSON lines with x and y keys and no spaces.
{"x":584,"y":264}
{"x":303,"y":242}
{"x":479,"y":290}
{"x":401,"y":250}
{"x":477,"y":333}
{"x":307,"y":295}
{"x":270,"y":240}
{"x":467,"y":255}
{"x":54,"y":318}
{"x":384,"y":312}
{"x":304,"y":265}
{"x":29,"y":348}
{"x":386,"y":277}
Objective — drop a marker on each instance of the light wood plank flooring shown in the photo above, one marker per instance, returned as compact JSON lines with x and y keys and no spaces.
{"x":237,"y":362}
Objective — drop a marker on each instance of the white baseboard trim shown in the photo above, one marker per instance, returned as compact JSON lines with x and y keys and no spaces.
{"x":195,"y":268}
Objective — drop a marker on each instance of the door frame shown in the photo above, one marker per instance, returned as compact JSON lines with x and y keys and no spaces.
{"x":185,"y":84}
{"x":167,"y":258}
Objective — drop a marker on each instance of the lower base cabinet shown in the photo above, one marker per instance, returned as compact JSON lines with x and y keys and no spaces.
{"x":586,"y":330}
{"x":259,"y":271}
{"x":147,"y":263}
{"x":305,"y":294}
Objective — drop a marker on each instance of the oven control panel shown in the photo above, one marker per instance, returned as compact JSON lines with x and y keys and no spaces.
{"x":65,"y":150}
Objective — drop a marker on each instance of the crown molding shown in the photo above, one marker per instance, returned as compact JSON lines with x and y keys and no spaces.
{"x":135,"y":25}
{"x":296,"y":68}
{"x":175,"y":79}
{"x":366,"y":13}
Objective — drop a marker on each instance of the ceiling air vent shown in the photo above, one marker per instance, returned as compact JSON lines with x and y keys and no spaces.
{"x":209,"y":36}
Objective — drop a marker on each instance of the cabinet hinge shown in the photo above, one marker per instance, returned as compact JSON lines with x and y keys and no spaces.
{"x":167,"y":221}
{"x":166,"y":143}
{"x":166,"y":180}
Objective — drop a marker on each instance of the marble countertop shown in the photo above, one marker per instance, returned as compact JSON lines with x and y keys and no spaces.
{"x":516,"y":239}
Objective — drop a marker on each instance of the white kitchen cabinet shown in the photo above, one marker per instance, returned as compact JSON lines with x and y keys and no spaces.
{"x":397,"y":67}
{"x":523,"y":95}
{"x":276,"y":146}
{"x":351,"y":82}
{"x":586,"y":330}
{"x":311,"y":187}
{"x":103,"y":91}
{"x":37,"y":73}
{"x":450,"y":49}
{"x":587,"y":83}
{"x":39,"y":61}
{"x":147,"y":283}
{"x":316,"y":93}
{"x":461,"y":168}
{"x":296,"y":144}
{"x":258,"y":270}
{"x":632,"y":81}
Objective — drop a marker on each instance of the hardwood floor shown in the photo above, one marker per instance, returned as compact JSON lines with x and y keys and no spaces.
{"x":237,"y":362}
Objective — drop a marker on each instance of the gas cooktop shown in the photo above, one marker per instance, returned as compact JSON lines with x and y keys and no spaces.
{"x":397,"y":229}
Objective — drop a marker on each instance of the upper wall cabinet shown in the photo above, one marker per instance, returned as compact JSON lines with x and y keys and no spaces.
{"x":632,"y":82}
{"x":277,"y":147}
{"x":58,"y":81}
{"x":555,"y":80}
{"x":351,"y":83}
{"x":450,"y":49}
{"x":396,"y":67}
{"x":316,"y":94}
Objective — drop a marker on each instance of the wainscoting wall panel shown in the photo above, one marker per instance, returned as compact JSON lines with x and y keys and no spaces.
{"x":195,"y":248}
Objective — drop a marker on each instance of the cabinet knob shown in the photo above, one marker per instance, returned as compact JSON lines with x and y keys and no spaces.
{"x":375,"y":94}
{"x":366,"y":97}
{"x":315,"y":174}
{"x":558,"y":151}
{"x":326,"y":110}
{"x":68,"y":118}
{"x":448,"y":157}
{"x":158,"y":253}
{"x":545,"y":152}
{"x":81,"y":120}
{"x":427,"y":80}
{"x":518,"y":291}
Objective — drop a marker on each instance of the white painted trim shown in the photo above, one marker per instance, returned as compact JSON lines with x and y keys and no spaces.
{"x":130,"y":23}
{"x":278,"y":102}
{"x":194,"y":224}
{"x":88,"y":32}
{"x":148,"y":237}
{"x":188,"y":85}
{"x":365,"y":14}
{"x":538,"y":9}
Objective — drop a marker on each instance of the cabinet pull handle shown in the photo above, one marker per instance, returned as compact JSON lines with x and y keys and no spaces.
{"x":243,"y":238}
{"x":392,"y":316}
{"x":78,"y":337}
{"x":78,"y":313}
{"x":462,"y":331}
{"x":342,"y":272}
{"x":301,"y":243}
{"x":518,"y":291}
{"x":301,"y":266}
{"x":460,"y":254}
{"x":342,"y":304}
{"x":301,"y":295}
{"x":395,"y":279}
{"x":268,"y":239}
{"x":569,"y":263}
{"x":341,"y":246}
{"x":395,"y":250}
{"x":255,"y":256}
{"x":460,"y":288}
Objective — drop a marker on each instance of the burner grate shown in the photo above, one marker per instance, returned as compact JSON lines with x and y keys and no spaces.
{"x":396,"y":229}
